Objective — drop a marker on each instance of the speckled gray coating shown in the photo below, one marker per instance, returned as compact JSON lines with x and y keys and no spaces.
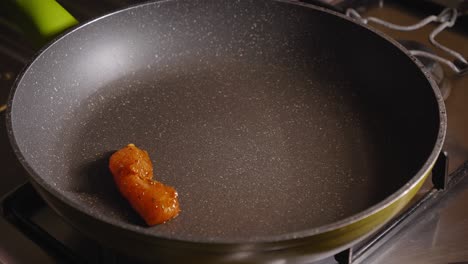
{"x":268,"y":118}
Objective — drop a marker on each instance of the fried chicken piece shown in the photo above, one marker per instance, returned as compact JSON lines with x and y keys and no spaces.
{"x":133,"y":172}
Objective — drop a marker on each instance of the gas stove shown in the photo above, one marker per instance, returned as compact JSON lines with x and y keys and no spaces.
{"x":433,"y":229}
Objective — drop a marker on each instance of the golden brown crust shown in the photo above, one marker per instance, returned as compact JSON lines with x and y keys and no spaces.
{"x":133,"y":172}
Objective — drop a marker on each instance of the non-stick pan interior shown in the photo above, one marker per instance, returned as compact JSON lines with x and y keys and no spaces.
{"x":267,"y":117}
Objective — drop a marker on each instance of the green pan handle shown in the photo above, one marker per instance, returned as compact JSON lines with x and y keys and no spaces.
{"x":40,"y":20}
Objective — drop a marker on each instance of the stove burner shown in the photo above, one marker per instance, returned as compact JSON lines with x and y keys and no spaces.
{"x":431,"y":66}
{"x":446,"y":19}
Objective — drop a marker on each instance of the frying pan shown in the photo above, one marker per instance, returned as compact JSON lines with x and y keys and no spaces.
{"x":289,"y":131}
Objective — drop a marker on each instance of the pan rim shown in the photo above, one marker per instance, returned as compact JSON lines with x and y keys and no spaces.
{"x":306,"y":233}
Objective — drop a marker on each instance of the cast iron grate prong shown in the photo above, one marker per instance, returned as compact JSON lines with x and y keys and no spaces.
{"x":442,"y":182}
{"x":18,"y":208}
